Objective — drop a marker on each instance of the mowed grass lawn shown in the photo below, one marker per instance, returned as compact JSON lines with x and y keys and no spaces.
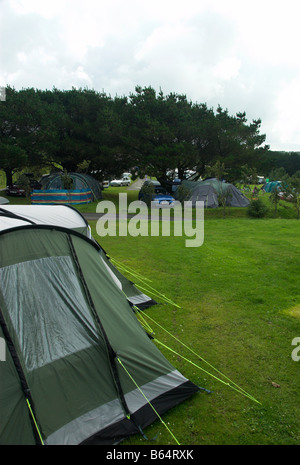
{"x":239,"y":299}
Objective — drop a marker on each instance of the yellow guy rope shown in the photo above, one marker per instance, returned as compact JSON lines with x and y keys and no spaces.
{"x":34,"y":420}
{"x":236,"y":388}
{"x":166,"y":426}
{"x":148,"y":288}
{"x":157,"y":293}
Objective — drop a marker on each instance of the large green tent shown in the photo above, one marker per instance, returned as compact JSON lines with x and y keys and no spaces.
{"x":66,"y":216}
{"x":79,"y":368}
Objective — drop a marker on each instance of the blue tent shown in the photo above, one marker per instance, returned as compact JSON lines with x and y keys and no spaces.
{"x":80,"y":181}
{"x":271,"y":186}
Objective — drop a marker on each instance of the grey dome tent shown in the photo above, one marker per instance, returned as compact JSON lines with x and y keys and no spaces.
{"x":80,"y":181}
{"x":75,"y":350}
{"x":208,"y":191}
{"x":204,"y":193}
{"x":235,"y":198}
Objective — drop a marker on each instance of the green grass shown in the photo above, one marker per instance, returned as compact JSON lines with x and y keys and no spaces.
{"x":239,"y":301}
{"x":285,"y":209}
{"x":111,"y":194}
{"x":2,"y":179}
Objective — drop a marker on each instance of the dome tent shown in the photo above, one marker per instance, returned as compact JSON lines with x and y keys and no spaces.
{"x":272,"y":185}
{"x":235,"y":197}
{"x":200,"y":192}
{"x":74,"y":344}
{"x":66,"y":216}
{"x":209,"y":190}
{"x":81,"y":181}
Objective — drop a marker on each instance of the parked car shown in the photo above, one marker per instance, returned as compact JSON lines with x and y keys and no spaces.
{"x":115,"y":183}
{"x":105,"y":184}
{"x":163,"y":198}
{"x":19,"y":191}
{"x":125,"y":181}
{"x":160,"y":196}
{"x":15,"y":190}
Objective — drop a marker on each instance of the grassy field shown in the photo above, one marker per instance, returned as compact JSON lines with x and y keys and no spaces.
{"x":239,"y":309}
{"x":238,"y":300}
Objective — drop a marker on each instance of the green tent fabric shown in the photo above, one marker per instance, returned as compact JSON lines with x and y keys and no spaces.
{"x":67,"y":326}
{"x":272,"y":185}
{"x":235,"y":198}
{"x":66,"y":216}
{"x":203,"y":193}
{"x":208,"y":191}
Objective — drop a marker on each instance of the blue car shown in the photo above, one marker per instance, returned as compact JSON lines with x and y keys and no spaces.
{"x":160,"y":196}
{"x":163,"y":198}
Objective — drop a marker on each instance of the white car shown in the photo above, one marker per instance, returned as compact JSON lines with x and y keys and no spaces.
{"x":120,"y":182}
{"x":126,"y":181}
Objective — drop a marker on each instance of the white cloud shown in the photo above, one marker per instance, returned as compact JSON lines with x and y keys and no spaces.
{"x":227,"y":69}
{"x":241,"y":55}
{"x":287,"y":106}
{"x":44,"y":9}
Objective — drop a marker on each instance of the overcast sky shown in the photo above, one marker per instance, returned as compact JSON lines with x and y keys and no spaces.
{"x":243,"y":55}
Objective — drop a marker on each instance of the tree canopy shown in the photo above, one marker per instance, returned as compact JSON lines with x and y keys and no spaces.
{"x":153,"y":132}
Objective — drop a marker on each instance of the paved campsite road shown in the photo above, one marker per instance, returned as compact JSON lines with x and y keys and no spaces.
{"x":136,"y":185}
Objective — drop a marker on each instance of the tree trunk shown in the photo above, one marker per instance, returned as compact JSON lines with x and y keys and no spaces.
{"x":9,"y":180}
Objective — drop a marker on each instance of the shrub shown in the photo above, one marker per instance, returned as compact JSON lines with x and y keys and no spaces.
{"x":147,"y":191}
{"x":183,"y":193}
{"x":257,"y":209}
{"x":24,"y":183}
